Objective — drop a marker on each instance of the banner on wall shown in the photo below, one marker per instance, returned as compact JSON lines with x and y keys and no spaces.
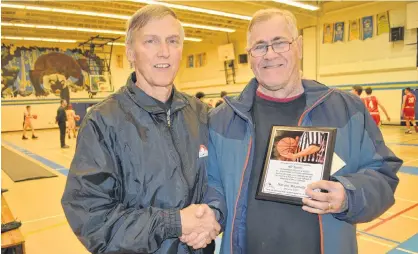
{"x":354,"y":30}
{"x":382,"y":20}
{"x":339,"y":31}
{"x":328,"y":33}
{"x":367,"y":27}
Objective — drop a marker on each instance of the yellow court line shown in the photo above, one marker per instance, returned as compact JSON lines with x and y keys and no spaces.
{"x":407,"y":251}
{"x":410,"y":161}
{"x":402,"y":215}
{"x":45,"y":229}
{"x":44,"y":218}
{"x":407,"y":200}
{"x":374,"y":241}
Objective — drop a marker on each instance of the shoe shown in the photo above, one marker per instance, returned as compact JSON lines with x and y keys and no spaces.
{"x":408,"y":132}
{"x":34,"y":137}
{"x":69,"y":137}
{"x":65,"y":146}
{"x":24,"y":138}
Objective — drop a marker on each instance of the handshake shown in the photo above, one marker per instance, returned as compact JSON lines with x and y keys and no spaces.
{"x":199,"y":226}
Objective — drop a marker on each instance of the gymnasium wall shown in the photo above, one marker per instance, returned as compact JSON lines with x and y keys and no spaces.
{"x":210,"y":78}
{"x":385,"y":66}
{"x":15,"y":96}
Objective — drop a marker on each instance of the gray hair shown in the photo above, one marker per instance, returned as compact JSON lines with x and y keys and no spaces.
{"x":266,"y":14}
{"x":143,"y":16}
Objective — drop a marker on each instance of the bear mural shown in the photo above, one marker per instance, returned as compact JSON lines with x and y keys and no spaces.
{"x":44,"y":72}
{"x":52,"y":72}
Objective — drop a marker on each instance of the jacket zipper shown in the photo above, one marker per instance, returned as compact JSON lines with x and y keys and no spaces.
{"x":321,"y":235}
{"x":175,"y":144}
{"x":247,"y":159}
{"x":243,"y":173}
{"x":169,"y":119}
{"x":187,"y":248}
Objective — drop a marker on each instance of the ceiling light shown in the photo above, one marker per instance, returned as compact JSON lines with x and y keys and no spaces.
{"x":80,"y":29}
{"x":36,"y":39}
{"x":107,"y":15}
{"x":116,"y":43}
{"x":298,"y":4}
{"x":195,"y":9}
{"x":213,"y":28}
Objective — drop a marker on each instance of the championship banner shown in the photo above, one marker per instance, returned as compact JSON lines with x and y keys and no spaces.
{"x":354,"y":30}
{"x":382,"y":23}
{"x":367,"y":27}
{"x":328,"y":33}
{"x":339,"y":31}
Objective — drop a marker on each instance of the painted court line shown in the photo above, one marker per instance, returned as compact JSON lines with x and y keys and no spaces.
{"x":391,"y":217}
{"x":403,"y":216}
{"x":374,"y":241}
{"x":410,"y":161}
{"x":50,"y":164}
{"x":44,"y":218}
{"x":407,"y":251}
{"x":378,"y":237}
{"x":407,"y":200}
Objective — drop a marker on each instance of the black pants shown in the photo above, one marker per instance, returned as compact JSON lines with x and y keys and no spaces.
{"x":62,"y":132}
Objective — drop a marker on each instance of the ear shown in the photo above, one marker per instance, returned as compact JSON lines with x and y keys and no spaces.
{"x":130,"y":53}
{"x":299,"y":46}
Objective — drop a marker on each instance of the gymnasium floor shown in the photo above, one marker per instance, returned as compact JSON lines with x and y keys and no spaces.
{"x":37,"y":203}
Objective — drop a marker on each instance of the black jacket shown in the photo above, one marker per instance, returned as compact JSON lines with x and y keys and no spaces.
{"x":61,"y":115}
{"x":134,"y":168}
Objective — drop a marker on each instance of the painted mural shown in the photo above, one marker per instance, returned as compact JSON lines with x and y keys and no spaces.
{"x":34,"y":73}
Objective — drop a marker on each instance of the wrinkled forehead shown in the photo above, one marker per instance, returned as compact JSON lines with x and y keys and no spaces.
{"x":163,"y":27}
{"x":269,"y":30}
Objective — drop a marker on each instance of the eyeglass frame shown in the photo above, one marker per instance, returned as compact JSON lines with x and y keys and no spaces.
{"x":271,"y":45}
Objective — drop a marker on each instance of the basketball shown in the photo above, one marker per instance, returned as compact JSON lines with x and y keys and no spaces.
{"x":286,"y":145}
{"x":35,"y":116}
{"x":77,"y":118}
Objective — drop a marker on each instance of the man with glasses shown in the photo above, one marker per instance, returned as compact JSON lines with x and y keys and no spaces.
{"x":361,"y":188}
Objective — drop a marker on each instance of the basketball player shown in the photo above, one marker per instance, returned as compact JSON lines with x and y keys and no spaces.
{"x":310,"y":149}
{"x":408,"y":109}
{"x":372,"y":105}
{"x":70,"y":121}
{"x":27,"y":123}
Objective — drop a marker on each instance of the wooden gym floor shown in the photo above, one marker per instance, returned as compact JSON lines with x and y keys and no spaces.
{"x":37,"y":203}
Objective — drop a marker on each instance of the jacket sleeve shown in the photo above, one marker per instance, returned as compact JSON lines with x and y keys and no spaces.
{"x":370,"y":191}
{"x":215,"y":197}
{"x":94,"y":207}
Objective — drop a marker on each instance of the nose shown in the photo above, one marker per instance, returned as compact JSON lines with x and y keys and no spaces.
{"x":164,"y":50}
{"x":270,"y":54}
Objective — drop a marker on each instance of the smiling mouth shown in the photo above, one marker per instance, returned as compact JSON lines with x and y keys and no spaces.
{"x":162,"y":66}
{"x":273,"y":66}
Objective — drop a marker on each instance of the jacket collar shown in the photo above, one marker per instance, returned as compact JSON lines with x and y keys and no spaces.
{"x":243,"y":104}
{"x":148,"y":103}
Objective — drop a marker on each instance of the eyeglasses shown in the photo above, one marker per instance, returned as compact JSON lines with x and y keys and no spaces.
{"x":278,"y":47}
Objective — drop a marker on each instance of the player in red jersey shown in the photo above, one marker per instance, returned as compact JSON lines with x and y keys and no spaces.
{"x":408,"y":110}
{"x":372,"y":104}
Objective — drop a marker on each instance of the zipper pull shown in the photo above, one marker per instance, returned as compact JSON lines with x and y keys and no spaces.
{"x":168,"y":118}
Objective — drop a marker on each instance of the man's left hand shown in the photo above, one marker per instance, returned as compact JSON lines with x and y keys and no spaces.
{"x":321,"y":203}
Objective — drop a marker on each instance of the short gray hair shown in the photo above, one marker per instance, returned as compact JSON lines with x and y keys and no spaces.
{"x":143,"y":16}
{"x":266,"y":14}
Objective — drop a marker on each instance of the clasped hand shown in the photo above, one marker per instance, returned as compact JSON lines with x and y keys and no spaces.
{"x":199,"y":226}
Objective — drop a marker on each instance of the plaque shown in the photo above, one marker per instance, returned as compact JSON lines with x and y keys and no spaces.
{"x":296,"y":157}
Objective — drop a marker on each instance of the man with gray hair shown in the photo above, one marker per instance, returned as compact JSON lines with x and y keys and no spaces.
{"x":361,"y":188}
{"x":138,"y":176}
